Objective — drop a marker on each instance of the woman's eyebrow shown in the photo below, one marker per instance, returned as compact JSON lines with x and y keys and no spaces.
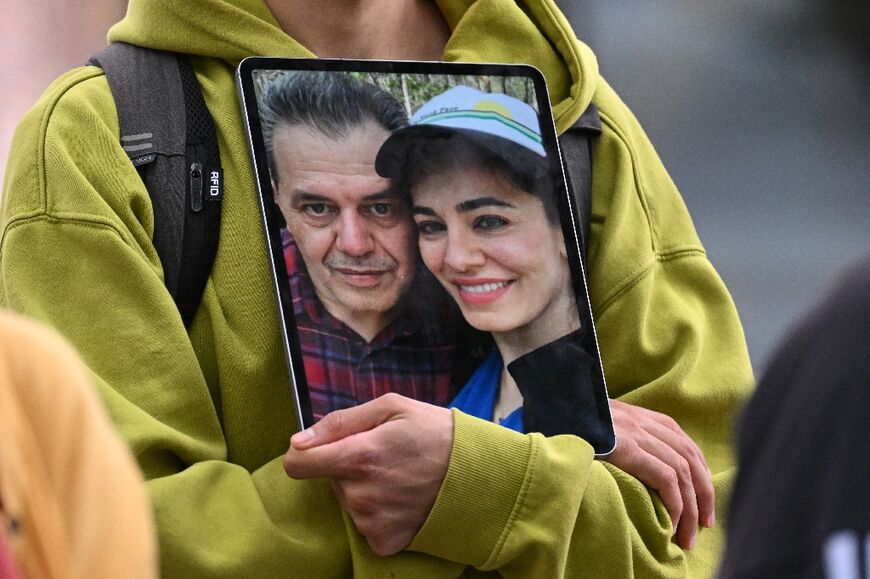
{"x":478,"y":202}
{"x":420,"y":210}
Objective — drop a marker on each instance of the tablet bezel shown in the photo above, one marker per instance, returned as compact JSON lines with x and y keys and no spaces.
{"x":568,"y":210}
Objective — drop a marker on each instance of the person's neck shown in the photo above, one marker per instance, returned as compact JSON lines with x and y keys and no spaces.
{"x":508,"y":398}
{"x":367,"y":324}
{"x":515,"y":343}
{"x":371,"y":29}
{"x":511,"y":345}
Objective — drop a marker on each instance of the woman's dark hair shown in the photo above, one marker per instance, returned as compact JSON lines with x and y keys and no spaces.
{"x":527,"y":171}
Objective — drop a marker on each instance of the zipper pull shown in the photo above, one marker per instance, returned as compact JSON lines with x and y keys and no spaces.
{"x":196,"y":187}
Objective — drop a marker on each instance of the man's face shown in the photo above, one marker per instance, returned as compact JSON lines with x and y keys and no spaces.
{"x":354,"y":233}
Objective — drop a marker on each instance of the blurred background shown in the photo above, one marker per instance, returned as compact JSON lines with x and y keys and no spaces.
{"x":760,"y":109}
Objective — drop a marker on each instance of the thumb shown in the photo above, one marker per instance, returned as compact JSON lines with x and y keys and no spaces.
{"x":348,"y":421}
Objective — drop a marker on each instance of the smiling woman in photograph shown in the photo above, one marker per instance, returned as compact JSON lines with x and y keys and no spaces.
{"x":489,"y":231}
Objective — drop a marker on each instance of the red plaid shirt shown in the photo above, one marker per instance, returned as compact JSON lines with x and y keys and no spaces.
{"x":413,"y":356}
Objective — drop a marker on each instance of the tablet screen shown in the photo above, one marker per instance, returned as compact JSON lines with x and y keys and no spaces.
{"x":423,"y":241}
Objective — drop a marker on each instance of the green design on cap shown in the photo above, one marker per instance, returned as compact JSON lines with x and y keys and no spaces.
{"x":492,"y":116}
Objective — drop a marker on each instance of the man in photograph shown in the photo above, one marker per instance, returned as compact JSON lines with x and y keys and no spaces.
{"x":370,"y":321}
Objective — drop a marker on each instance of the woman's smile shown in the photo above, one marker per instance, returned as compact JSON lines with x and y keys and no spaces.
{"x":482,"y":292}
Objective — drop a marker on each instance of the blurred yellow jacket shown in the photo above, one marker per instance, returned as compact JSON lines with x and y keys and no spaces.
{"x":72,"y":500}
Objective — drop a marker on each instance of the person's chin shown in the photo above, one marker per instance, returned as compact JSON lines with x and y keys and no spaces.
{"x":367,"y":302}
{"x":487,"y":324}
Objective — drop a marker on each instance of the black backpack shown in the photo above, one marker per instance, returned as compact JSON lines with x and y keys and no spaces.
{"x":170,"y":138}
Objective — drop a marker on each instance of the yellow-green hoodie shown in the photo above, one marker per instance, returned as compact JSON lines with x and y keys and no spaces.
{"x":209,"y":415}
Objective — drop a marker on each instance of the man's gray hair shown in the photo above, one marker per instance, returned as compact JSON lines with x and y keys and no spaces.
{"x":333,"y":103}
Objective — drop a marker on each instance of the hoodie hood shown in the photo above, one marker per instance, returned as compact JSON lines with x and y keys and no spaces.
{"x":483,"y":31}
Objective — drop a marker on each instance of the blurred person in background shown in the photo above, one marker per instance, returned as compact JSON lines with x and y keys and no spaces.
{"x":800,"y":505}
{"x":72,"y":500}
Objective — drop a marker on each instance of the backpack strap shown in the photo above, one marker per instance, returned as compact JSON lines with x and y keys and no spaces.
{"x":576,"y":147}
{"x":205,"y":191}
{"x":170,"y":137}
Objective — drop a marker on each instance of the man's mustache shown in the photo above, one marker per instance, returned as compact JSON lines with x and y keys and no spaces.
{"x":341,"y":261}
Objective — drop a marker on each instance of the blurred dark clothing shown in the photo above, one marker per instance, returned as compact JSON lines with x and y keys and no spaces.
{"x":800,"y":506}
{"x":561,"y":394}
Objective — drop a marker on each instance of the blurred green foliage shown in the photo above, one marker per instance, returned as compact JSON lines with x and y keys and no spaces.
{"x":413,"y":90}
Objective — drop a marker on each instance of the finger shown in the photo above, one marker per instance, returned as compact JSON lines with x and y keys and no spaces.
{"x":701,"y":478}
{"x":338,"y":491}
{"x":343,"y":423}
{"x":669,"y":431}
{"x":687,"y":524}
{"x":657,"y":475}
{"x":673,"y":426}
{"x":385,"y":529}
{"x":345,"y":458}
{"x":385,"y":534}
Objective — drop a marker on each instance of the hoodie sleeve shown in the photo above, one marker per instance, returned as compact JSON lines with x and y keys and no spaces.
{"x":671,"y":341}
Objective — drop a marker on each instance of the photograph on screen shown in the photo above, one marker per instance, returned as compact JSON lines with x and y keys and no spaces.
{"x":423,"y":241}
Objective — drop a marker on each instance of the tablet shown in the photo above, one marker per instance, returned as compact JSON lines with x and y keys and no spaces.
{"x":423,"y":241}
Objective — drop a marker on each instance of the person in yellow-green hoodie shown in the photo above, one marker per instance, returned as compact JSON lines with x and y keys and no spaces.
{"x":208,"y":414}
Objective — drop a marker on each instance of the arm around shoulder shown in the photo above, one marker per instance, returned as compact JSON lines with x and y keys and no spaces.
{"x":670,"y":340}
